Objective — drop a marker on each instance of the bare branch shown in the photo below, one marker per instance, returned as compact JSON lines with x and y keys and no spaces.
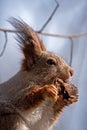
{"x":49,"y":34}
{"x":50,"y":17}
{"x":8,"y":30}
{"x":63,"y":35}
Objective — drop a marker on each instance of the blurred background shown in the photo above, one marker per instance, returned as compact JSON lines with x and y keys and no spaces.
{"x":70,"y":18}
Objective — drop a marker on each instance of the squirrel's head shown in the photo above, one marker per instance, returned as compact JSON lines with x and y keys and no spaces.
{"x":37,"y":59}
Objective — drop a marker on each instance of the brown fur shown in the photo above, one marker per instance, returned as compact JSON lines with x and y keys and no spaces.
{"x":42,"y":80}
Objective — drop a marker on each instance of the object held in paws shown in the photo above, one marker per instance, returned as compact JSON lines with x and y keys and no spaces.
{"x":67,"y":91}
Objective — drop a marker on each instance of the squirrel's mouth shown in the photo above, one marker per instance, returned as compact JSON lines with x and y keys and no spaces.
{"x":66,"y":90}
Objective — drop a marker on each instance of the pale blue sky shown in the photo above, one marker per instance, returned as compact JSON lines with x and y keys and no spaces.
{"x":71,"y":17}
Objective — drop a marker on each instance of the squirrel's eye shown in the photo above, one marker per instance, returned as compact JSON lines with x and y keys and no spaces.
{"x":51,"y":62}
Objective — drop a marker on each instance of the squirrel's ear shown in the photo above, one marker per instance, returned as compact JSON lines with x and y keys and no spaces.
{"x":32,"y":46}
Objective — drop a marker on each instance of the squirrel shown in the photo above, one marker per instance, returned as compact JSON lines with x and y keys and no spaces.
{"x":34,"y":98}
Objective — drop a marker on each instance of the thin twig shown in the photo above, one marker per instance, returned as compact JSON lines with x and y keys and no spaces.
{"x":63,"y":35}
{"x":49,"y":34}
{"x":9,"y":30}
{"x":71,"y":51}
{"x":50,"y":17}
{"x":5,"y":44}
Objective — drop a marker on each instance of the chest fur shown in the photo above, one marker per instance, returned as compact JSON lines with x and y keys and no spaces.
{"x":39,"y":119}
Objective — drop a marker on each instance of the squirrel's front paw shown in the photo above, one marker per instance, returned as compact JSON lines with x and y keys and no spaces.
{"x":50,"y":91}
{"x":58,"y":84}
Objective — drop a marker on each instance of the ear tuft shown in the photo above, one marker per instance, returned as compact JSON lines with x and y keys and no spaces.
{"x":32,"y":46}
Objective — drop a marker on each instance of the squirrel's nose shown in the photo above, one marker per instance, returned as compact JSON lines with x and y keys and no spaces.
{"x":70,"y":74}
